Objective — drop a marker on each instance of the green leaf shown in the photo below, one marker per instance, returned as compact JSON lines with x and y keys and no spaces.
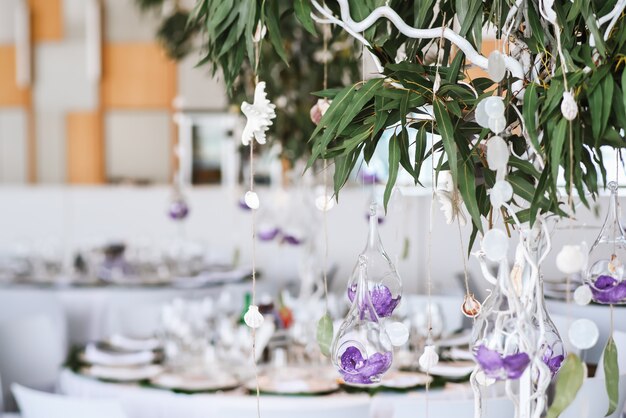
{"x":530,"y":110}
{"x":568,"y":383}
{"x":467,"y":187}
{"x":273,"y":29}
{"x":556,"y":146}
{"x":611,"y":374}
{"x":447,"y":135}
{"x":394,"y":162}
{"x":325,"y":334}
{"x":361,"y":97}
{"x":302,"y":9}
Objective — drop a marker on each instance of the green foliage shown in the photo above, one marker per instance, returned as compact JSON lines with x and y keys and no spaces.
{"x":325,"y":334}
{"x":611,"y":375}
{"x":568,"y":383}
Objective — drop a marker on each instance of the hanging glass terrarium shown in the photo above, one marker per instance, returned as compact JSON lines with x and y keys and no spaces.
{"x":362,"y":351}
{"x":384,"y":284}
{"x":605,"y":275}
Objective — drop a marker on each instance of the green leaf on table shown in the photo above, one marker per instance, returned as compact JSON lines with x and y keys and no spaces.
{"x":302,"y":9}
{"x":568,"y":383}
{"x":325,"y":334}
{"x":394,"y":162}
{"x":611,"y":375}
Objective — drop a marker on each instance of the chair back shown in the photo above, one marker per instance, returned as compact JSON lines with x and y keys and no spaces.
{"x":35,"y":404}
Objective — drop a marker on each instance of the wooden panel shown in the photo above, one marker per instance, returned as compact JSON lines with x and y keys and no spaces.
{"x":10,"y":93}
{"x":137,"y":76}
{"x":85,"y":148}
{"x":47,"y":20}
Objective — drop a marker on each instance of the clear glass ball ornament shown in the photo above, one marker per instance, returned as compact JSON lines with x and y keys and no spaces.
{"x":496,"y":66}
{"x":482,"y":118}
{"x":606,"y":275}
{"x":362,"y":351}
{"x":385,"y":286}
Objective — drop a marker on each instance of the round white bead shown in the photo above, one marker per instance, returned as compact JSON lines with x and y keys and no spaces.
{"x":398,"y":333}
{"x":583,"y":295}
{"x":495,"y":244}
{"x":501,"y":193}
{"x":583,"y":333}
{"x":251,"y":199}
{"x":570,"y":259}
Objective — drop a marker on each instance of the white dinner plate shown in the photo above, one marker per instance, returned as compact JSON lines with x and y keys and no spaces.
{"x":195,"y":383}
{"x":453,"y":369}
{"x":123,"y":374}
{"x":405,"y":380}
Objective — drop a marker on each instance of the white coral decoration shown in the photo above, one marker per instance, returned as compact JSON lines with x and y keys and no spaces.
{"x":569,"y":108}
{"x":259,"y":114}
{"x":450,"y":199}
{"x":571,"y":259}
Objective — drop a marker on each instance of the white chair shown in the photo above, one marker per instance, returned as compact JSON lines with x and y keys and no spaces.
{"x":592,"y":400}
{"x":35,"y":404}
{"x":411,"y":407}
{"x":32,"y":342}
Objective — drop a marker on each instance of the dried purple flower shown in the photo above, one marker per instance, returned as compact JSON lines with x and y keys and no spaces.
{"x":383,"y":301}
{"x":267,"y":234}
{"x":178,"y":209}
{"x":501,"y":368}
{"x":608,"y":290}
{"x":356,"y":369}
{"x":553,"y":363}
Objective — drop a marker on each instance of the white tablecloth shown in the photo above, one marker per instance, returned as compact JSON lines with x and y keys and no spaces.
{"x":87,"y":309}
{"x":142,"y":402}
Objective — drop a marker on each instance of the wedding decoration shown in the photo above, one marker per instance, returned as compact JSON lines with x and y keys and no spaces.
{"x":361,"y":350}
{"x":605,"y":275}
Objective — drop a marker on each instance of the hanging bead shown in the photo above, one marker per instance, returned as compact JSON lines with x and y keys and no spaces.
{"x":497,"y":153}
{"x":496,"y":66}
{"x":398,"y":333}
{"x":583,"y":333}
{"x":251,"y":199}
{"x":495,"y":244}
{"x":583,"y":295}
{"x":569,"y":108}
{"x":571,"y":259}
{"x":429,"y":358}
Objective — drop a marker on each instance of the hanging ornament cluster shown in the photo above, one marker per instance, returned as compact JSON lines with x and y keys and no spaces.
{"x":605,"y":276}
{"x":514,"y":338}
{"x":362,"y":350}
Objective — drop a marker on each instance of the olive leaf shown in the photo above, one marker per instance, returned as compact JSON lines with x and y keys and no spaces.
{"x":611,"y":375}
{"x":568,"y":384}
{"x":325,"y":334}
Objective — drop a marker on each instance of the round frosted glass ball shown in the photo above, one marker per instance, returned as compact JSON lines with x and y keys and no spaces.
{"x":482,"y":118}
{"x":583,"y":333}
{"x":495,"y":244}
{"x":496,"y":66}
{"x":494,"y":107}
{"x":497,"y":125}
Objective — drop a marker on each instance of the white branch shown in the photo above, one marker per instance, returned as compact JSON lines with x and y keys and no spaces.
{"x":463,"y":44}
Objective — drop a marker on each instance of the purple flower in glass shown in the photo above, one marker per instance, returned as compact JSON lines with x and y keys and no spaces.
{"x":178,"y":209}
{"x":368,"y":177}
{"x":383,"y":301}
{"x":380,"y":219}
{"x":356,"y":369}
{"x":608,"y":290}
{"x":553,"y":362}
{"x":291,"y":239}
{"x":242,"y":204}
{"x":501,"y":368}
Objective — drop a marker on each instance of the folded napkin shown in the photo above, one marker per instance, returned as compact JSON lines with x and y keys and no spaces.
{"x":95,"y":355}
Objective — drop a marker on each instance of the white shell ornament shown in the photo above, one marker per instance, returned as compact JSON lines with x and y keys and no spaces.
{"x":324,"y":203}
{"x":259,"y":114}
{"x":569,"y":108}
{"x":253,"y":317}
{"x":501,"y":193}
{"x":496,"y":66}
{"x":429,"y":358}
{"x":398,"y":333}
{"x":571,"y":259}
{"x":497,"y":153}
{"x":495,"y":244}
{"x":583,"y":333}
{"x":450,"y":199}
{"x":251,"y":199}
{"x":583,"y":295}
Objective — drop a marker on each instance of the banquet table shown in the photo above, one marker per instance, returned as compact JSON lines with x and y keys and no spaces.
{"x":88,"y":309}
{"x":147,"y":402}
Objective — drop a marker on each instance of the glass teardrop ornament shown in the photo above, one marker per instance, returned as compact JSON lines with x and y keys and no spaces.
{"x":384,"y":283}
{"x":362,"y":351}
{"x":605,"y":275}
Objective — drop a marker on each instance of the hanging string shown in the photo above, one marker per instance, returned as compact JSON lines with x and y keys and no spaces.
{"x":325,"y":29}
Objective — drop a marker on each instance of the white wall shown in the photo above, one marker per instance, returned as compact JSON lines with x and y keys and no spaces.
{"x":80,"y":215}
